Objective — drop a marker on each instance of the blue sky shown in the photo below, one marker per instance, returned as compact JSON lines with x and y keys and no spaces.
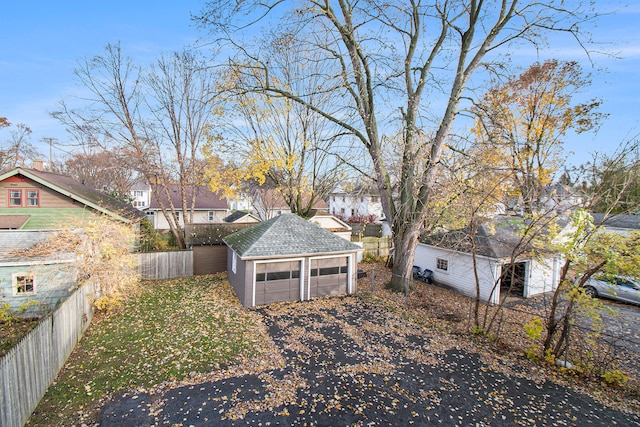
{"x":42,"y":42}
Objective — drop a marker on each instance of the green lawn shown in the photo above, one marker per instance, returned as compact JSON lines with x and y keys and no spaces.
{"x":172,"y":330}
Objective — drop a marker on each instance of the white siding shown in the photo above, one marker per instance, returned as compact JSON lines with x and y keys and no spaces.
{"x":354,"y":205}
{"x":199,"y":217}
{"x":460,"y":271}
{"x":542,"y":276}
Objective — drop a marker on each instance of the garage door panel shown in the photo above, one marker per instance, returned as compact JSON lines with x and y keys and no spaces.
{"x":277,"y":281}
{"x":278,"y":266}
{"x":277,"y":296}
{"x":260,"y":293}
{"x":329,"y":276}
{"x":332,"y":289}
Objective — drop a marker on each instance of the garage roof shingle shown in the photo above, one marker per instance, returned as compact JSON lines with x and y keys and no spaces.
{"x":286,"y":235}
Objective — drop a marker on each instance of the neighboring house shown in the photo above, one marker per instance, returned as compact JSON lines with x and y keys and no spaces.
{"x":621,"y":224}
{"x":561,"y":198}
{"x":555,"y":197}
{"x":269,"y":203}
{"x":140,"y":195}
{"x":449,"y":256}
{"x":240,"y":201}
{"x":209,"y":207}
{"x":288,"y":258}
{"x":355,"y":200}
{"x":38,"y":200}
{"x":332,"y":224}
{"x":241,"y":217}
{"x":30,"y":283}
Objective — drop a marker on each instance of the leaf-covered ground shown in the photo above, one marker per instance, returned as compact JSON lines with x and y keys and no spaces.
{"x":186,"y":353}
{"x":353,"y":363}
{"x":173,"y":331}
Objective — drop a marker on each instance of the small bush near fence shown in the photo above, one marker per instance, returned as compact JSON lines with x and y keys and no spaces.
{"x":13,"y":330}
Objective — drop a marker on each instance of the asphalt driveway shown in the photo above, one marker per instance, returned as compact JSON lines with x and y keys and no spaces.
{"x":352,"y":363}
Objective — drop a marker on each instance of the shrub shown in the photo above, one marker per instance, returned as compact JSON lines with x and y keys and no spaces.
{"x":5,"y":314}
{"x":614,"y":378}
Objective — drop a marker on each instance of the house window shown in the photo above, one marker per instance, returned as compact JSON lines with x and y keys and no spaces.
{"x":353,"y":212}
{"x":374,"y":199}
{"x":33,"y":198}
{"x":24,"y":283}
{"x":333,"y":198}
{"x":138,"y":193}
{"x":15,"y":197}
{"x":234,"y":262}
{"x":343,"y":198}
{"x":210,"y":217}
{"x":442,"y":264}
{"x":361,"y":199}
{"x":342,"y":211}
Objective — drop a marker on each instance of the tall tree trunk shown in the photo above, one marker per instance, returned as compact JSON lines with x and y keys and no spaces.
{"x":405,"y":240}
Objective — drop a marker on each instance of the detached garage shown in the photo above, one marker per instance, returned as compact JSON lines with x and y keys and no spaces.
{"x":500,"y":273}
{"x":289,"y":259}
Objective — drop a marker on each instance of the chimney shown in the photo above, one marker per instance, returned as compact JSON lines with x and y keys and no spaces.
{"x":38,"y":165}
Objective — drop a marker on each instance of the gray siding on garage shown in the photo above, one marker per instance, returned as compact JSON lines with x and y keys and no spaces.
{"x":238,"y":278}
{"x":282,"y":246}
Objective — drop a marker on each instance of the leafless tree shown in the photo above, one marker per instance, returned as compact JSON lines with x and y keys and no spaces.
{"x":156,"y":117}
{"x":106,"y":171}
{"x":18,"y":150}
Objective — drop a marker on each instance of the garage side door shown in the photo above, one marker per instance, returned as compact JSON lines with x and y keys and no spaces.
{"x":329,"y":276}
{"x":277,"y":281}
{"x":209,"y":259}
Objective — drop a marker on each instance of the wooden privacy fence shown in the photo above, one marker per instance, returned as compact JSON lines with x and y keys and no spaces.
{"x":28,"y":369}
{"x":366,"y":230}
{"x":165,"y":265}
{"x":376,"y":246}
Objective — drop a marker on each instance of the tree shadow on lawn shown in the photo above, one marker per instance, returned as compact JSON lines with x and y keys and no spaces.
{"x":349,"y":362}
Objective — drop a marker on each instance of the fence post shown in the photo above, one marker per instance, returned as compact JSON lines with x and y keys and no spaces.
{"x":566,"y":344}
{"x":469,"y":317}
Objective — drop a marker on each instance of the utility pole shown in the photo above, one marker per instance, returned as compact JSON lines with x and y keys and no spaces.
{"x":50,"y":140}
